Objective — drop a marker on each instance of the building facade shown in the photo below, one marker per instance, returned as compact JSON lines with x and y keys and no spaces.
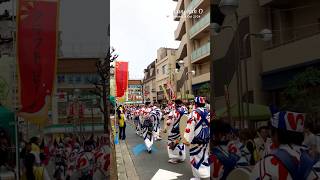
{"x":149,"y":83}
{"x":165,"y":66}
{"x":74,"y":101}
{"x":8,"y":75}
{"x":194,"y":49}
{"x":135,"y":90}
{"x":259,"y":71}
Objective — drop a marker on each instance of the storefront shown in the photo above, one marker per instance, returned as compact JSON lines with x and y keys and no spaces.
{"x":202,"y":89}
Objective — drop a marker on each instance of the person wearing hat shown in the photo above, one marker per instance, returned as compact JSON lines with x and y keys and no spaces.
{"x":197,"y":137}
{"x":289,"y":160}
{"x":176,"y":149}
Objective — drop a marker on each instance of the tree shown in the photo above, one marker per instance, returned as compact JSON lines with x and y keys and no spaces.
{"x":103,"y":86}
{"x":302,"y":94}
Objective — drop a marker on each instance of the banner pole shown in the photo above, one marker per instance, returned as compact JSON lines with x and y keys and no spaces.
{"x":17,"y":145}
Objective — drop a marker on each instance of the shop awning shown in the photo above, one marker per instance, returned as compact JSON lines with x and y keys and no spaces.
{"x":257,"y":112}
{"x":70,"y":128}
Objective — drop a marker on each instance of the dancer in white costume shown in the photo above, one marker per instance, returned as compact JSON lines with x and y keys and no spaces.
{"x":156,"y":128}
{"x":197,"y":136}
{"x":176,"y":149}
{"x":148,"y":122}
{"x":141,"y":118}
{"x":136,"y":120}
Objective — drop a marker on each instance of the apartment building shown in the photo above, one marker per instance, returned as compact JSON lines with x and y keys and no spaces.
{"x":135,"y":90}
{"x":270,"y":65}
{"x":194,"y":50}
{"x":165,"y":66}
{"x":149,"y":83}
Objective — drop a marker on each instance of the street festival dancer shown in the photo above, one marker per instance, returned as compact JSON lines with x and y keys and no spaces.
{"x":156,"y":128}
{"x":136,"y":120}
{"x":225,"y":155}
{"x":289,"y":160}
{"x":176,"y":149}
{"x":148,"y":122}
{"x":142,"y":114}
{"x":197,"y":136}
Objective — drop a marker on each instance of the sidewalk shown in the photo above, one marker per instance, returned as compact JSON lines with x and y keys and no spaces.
{"x":125,"y":166}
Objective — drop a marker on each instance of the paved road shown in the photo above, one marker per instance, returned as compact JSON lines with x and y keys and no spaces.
{"x":147,"y":164}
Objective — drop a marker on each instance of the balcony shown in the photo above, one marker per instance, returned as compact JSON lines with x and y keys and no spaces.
{"x":197,"y":4}
{"x":201,"y":78}
{"x":181,"y":29}
{"x":292,"y":53}
{"x":201,"y":28}
{"x":201,"y":54}
{"x":178,"y":11}
{"x":182,"y":50}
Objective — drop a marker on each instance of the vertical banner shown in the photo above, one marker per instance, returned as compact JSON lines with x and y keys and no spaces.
{"x":37,"y":54}
{"x":121,"y":78}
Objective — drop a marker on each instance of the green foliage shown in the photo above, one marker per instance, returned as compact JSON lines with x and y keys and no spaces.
{"x":303,"y":93}
{"x":204,"y":90}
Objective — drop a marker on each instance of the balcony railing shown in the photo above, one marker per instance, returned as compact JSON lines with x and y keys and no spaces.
{"x":193,"y":5}
{"x":204,"y":22}
{"x":181,"y":53}
{"x":200,"y":52}
{"x":294,"y":34}
{"x":180,"y":29}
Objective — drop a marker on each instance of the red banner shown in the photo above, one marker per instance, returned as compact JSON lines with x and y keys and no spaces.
{"x":121,"y":78}
{"x":37,"y":54}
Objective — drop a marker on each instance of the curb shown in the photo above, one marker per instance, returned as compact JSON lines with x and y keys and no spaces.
{"x":125,"y":166}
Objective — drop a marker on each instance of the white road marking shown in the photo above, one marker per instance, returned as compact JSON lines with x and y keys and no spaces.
{"x":165,"y":175}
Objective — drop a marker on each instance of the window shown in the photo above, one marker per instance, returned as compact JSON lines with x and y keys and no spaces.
{"x":87,"y":79}
{"x":157,"y":71}
{"x":61,"y":79}
{"x":78,"y":79}
{"x":164,"y":69}
{"x":70,"y":79}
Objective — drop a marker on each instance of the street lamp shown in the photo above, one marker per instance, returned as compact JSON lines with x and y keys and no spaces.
{"x":193,"y":72}
{"x":264,"y":35}
{"x":176,"y":70}
{"x":217,"y":28}
{"x":181,"y":63}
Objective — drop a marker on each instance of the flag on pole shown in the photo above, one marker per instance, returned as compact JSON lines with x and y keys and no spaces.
{"x":37,"y":57}
{"x":121,"y":73}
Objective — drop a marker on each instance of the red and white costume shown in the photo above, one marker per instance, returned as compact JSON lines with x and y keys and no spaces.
{"x":177,"y":152}
{"x":272,"y":167}
{"x":199,"y":153}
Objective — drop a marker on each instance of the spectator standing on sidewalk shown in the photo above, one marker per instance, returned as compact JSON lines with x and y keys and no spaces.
{"x":122,"y":124}
{"x":32,"y":170}
{"x":35,"y":149}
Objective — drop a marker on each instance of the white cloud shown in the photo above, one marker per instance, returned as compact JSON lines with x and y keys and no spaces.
{"x":139,"y":28}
